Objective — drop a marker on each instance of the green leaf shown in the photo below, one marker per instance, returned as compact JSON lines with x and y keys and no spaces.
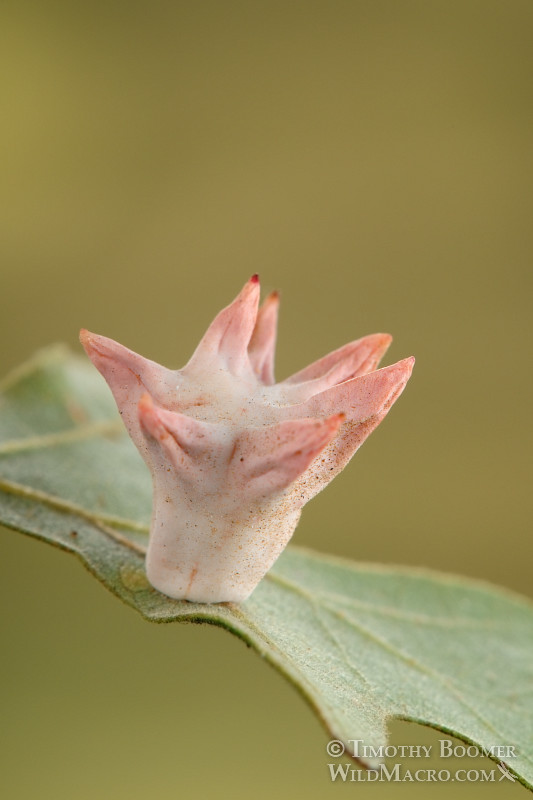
{"x":363,"y":644}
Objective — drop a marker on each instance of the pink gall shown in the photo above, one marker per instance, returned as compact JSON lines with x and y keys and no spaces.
{"x":233,"y":455}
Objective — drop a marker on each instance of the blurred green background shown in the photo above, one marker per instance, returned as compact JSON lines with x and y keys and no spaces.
{"x":373,"y":160}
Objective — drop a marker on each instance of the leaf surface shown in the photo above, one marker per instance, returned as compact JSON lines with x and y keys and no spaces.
{"x":362,"y":643}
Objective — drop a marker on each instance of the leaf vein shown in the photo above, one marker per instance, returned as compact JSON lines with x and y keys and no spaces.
{"x":78,"y":433}
{"x":10,"y":487}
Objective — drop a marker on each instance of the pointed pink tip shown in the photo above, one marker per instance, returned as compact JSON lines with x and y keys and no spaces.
{"x":273,"y":297}
{"x":149,"y":418}
{"x":86,"y":339}
{"x":336,"y":420}
{"x":403,"y":367}
{"x":145,"y":403}
{"x":254,"y":278}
